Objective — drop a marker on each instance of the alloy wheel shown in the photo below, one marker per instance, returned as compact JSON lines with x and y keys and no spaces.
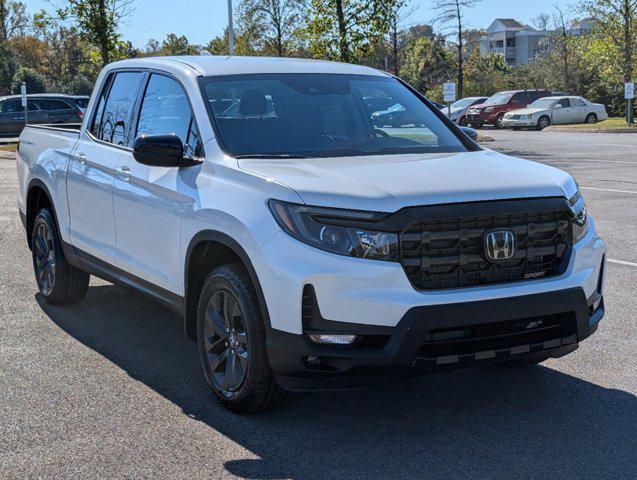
{"x":226,"y":343}
{"x":44,"y":258}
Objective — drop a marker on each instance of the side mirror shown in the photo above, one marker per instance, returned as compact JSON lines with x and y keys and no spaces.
{"x":161,"y":151}
{"x":556,"y":106}
{"x":470,"y":132}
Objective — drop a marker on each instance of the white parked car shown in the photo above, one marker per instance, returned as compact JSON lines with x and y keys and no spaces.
{"x":458,"y":109}
{"x":304,"y":246}
{"x":555,"y":111}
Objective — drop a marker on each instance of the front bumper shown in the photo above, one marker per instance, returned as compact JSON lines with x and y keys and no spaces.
{"x":376,"y":300}
{"x":418,"y":345}
{"x":510,"y":123}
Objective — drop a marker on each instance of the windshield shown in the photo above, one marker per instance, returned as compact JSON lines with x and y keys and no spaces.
{"x":322,"y":115}
{"x":463,"y":102}
{"x":498,"y":99}
{"x":543,"y":103}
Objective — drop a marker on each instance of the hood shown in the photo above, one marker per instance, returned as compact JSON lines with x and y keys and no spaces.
{"x":387,"y":183}
{"x":527,"y":111}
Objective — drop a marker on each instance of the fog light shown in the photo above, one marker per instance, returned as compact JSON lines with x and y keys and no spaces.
{"x":332,"y":339}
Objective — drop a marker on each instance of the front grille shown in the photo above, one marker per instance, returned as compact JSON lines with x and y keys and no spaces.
{"x":444,"y":253}
{"x":501,"y":335}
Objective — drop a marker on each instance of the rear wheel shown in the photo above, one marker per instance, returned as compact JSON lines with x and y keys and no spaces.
{"x":231,"y":341}
{"x":591,"y":118}
{"x":59,"y":282}
{"x":543,"y":122}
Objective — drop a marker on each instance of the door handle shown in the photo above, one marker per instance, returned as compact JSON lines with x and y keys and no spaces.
{"x":123,"y":173}
{"x":80,"y":157}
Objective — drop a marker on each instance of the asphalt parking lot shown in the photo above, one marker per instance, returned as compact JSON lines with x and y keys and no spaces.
{"x":110,"y":388}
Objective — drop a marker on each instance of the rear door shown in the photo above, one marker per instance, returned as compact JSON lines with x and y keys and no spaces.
{"x":91,"y":171}
{"x":148,"y":201}
{"x":579,"y":110}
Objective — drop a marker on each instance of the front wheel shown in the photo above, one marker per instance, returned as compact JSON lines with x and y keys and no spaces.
{"x":59,"y":282}
{"x":231,"y":342}
{"x":498,"y":121}
{"x":591,"y":118}
{"x":463,"y":122}
{"x":543,"y":122}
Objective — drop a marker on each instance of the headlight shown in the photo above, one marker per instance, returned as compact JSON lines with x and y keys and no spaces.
{"x":580,"y":220}
{"x":328,"y":229}
{"x":526,"y":117}
{"x":488,"y":109}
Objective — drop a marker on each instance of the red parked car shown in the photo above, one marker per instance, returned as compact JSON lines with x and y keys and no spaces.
{"x":493,"y":109}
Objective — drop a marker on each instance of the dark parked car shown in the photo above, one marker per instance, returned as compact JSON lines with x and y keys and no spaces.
{"x":43,"y":108}
{"x":493,"y":109}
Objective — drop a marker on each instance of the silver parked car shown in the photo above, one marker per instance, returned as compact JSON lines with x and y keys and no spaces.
{"x":457,"y":112}
{"x":555,"y":111}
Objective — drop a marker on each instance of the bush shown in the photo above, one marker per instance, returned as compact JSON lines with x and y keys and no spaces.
{"x":36,"y":83}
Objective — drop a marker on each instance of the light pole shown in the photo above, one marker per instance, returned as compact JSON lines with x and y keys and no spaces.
{"x":230,"y":29}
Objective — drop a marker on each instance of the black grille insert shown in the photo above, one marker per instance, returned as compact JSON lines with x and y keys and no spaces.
{"x":442,"y":253}
{"x":494,"y":336}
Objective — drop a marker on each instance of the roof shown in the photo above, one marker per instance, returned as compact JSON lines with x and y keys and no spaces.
{"x":510,"y":22}
{"x":208,"y":65}
{"x":40,"y":95}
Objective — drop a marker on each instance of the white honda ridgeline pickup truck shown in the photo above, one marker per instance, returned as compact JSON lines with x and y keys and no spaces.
{"x":317,"y":225}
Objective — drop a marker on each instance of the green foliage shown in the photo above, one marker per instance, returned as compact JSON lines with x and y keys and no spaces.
{"x":98,"y":20}
{"x":347,"y":29}
{"x":35,"y":81}
{"x":426,"y":64}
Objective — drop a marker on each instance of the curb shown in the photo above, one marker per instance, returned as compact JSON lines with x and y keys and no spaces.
{"x":7,"y":155}
{"x":585,"y":130}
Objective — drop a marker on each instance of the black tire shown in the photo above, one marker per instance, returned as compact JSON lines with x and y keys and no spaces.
{"x":463,"y":122}
{"x":476,"y":126}
{"x":516,"y":129}
{"x":231,"y":343}
{"x":59,"y":282}
{"x":543,"y":122}
{"x":498,"y":121}
{"x":591,"y":118}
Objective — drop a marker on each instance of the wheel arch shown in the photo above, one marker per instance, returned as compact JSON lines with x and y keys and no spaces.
{"x":215,"y":249}
{"x":38,"y":196}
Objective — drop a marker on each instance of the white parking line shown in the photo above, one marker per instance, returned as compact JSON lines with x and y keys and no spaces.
{"x":609,"y":190}
{"x":622,"y":262}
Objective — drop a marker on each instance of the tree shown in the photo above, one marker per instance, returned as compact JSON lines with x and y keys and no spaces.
{"x":34,"y":80}
{"x":562,"y":43}
{"x":99,"y":21}
{"x":451,"y":11}
{"x":617,"y":21}
{"x":541,"y":21}
{"x":425,"y":63}
{"x":346,"y":29}
{"x":399,"y":13}
{"x":276,"y":20}
{"x":175,"y":45}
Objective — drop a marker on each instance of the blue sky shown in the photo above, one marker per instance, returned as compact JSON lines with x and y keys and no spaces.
{"x":201,"y":20}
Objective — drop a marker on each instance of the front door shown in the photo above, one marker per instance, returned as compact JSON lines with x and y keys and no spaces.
{"x":148,"y":201}
{"x":562,"y":115}
{"x":91,"y":171}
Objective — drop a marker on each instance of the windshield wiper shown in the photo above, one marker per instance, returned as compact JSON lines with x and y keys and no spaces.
{"x":269,"y":155}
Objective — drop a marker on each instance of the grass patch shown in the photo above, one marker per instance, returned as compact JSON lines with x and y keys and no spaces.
{"x":613,"y":124}
{"x":11,"y":147}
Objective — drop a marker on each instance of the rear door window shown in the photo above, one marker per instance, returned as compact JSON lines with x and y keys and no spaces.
{"x":52,"y":104}
{"x":114,"y":112}
{"x":564,"y":102}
